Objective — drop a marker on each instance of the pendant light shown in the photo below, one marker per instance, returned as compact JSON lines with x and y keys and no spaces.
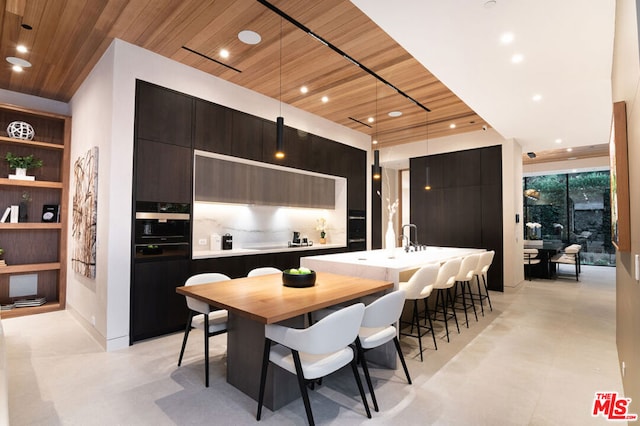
{"x":376,"y":164}
{"x":280,"y":119}
{"x":427,"y":181}
{"x":376,"y":153}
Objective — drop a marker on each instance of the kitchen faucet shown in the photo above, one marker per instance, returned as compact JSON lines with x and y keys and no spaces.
{"x":409,"y":242}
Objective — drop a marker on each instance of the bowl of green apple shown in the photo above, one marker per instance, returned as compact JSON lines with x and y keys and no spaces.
{"x":300,"y":277}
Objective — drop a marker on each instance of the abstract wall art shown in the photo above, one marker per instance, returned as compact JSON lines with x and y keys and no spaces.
{"x":85,"y":213}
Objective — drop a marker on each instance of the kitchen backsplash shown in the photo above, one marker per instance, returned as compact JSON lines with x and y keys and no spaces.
{"x":256,"y":226}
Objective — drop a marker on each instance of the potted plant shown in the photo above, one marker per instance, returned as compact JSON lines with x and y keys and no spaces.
{"x":21,"y":164}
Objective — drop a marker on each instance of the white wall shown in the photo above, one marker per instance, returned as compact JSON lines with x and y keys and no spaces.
{"x":103,"y":115}
{"x":34,"y":102}
{"x":398,"y":157}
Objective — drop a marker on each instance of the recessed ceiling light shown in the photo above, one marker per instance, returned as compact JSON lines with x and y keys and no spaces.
{"x":395,"y":113}
{"x":304,"y":89}
{"x":517,"y":58}
{"x":452,"y":125}
{"x":371,"y":119}
{"x":18,"y":61}
{"x":569,"y":149}
{"x":507,"y":38}
{"x":489,"y":4}
{"x":537,"y":97}
{"x":375,"y":142}
{"x":224,"y":53}
{"x":17,"y":68}
{"x":325,"y":99}
{"x":21,"y":48}
{"x":558,"y":140}
{"x":249,"y":37}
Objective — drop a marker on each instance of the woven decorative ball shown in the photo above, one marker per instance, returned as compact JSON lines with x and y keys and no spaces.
{"x":20,"y":130}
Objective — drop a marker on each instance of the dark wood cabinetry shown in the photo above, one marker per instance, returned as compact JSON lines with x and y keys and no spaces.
{"x":163,"y":115}
{"x":163,"y":172}
{"x":169,"y":125}
{"x":212,"y":127}
{"x":156,"y":308}
{"x":464,"y":206}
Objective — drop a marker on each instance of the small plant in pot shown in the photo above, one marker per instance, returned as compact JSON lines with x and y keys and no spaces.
{"x":22,"y":164}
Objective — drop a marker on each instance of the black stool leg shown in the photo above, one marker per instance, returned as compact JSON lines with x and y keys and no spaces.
{"x":186,"y":336}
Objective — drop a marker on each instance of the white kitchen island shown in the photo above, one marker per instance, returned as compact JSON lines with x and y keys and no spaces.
{"x":383,"y":264}
{"x":390,"y":265}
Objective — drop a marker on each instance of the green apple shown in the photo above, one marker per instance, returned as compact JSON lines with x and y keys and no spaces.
{"x":304,"y":270}
{"x":294,"y":272}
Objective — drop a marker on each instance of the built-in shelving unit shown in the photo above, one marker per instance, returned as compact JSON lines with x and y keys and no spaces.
{"x":32,"y":246}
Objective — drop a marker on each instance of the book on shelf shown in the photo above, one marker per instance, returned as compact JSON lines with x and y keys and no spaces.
{"x":15,"y":214}
{"x":22,"y":302}
{"x":51,"y":213}
{"x":6,"y":214}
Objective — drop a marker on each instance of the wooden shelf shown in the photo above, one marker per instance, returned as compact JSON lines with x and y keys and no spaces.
{"x":31,"y":183}
{"x":32,"y":143}
{"x":30,"y":310}
{"x":30,"y":225}
{"x":26,"y":268}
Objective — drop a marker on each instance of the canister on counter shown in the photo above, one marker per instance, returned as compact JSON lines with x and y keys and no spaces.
{"x":227,"y":242}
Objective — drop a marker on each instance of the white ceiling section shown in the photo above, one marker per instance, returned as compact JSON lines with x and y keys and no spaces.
{"x":567,"y":48}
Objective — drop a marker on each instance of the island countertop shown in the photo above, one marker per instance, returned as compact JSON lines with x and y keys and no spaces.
{"x":383,"y":264}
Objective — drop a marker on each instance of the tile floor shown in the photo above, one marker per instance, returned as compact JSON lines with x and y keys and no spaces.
{"x":537,"y":359}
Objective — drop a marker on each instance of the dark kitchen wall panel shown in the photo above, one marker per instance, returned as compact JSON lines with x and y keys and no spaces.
{"x":162,"y":172}
{"x":464,"y":206}
{"x":212,"y":127}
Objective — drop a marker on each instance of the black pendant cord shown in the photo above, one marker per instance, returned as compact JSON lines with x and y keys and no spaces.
{"x":338,"y":51}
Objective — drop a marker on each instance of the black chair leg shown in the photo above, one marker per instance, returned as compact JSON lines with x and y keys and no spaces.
{"x":263,"y":376}
{"x":427,"y":315}
{"x":206,"y":350}
{"x":186,"y":336}
{"x":480,"y":295}
{"x":303,"y":387}
{"x":464,"y":301}
{"x":473,"y":304}
{"x":365,"y":368}
{"x":486,"y":290}
{"x":444,"y":312}
{"x":360,"y":388}
{"x":404,"y":364}
{"x":455,"y":317}
{"x":416,"y":318}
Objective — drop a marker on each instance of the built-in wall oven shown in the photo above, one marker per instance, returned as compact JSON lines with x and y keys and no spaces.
{"x":162,"y":229}
{"x":357,"y":230}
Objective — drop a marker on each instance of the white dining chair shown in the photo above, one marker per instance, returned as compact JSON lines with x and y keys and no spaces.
{"x":314,"y":352}
{"x":530,"y":258}
{"x":265,"y":270}
{"x":378,"y":328}
{"x":201,"y":315}
{"x":569,"y":256}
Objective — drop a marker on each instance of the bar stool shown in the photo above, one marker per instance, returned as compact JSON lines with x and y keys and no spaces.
{"x":486,"y":259}
{"x":419,"y":287}
{"x":464,"y":277}
{"x":445,"y":281}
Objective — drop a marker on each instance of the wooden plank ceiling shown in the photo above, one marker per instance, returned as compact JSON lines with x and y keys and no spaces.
{"x":68,"y":38}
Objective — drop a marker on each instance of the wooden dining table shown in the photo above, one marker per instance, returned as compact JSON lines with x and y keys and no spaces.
{"x":253,"y":302}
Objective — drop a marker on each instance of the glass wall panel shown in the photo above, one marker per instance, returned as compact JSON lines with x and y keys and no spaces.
{"x":571,"y":208}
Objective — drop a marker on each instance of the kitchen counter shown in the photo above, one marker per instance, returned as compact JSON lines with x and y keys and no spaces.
{"x":260,"y":249}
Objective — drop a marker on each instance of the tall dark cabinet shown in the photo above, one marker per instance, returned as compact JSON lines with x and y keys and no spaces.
{"x":464,"y":206}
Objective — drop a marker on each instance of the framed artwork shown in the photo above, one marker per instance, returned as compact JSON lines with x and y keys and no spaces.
{"x":620,"y":212}
{"x":85,"y":213}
